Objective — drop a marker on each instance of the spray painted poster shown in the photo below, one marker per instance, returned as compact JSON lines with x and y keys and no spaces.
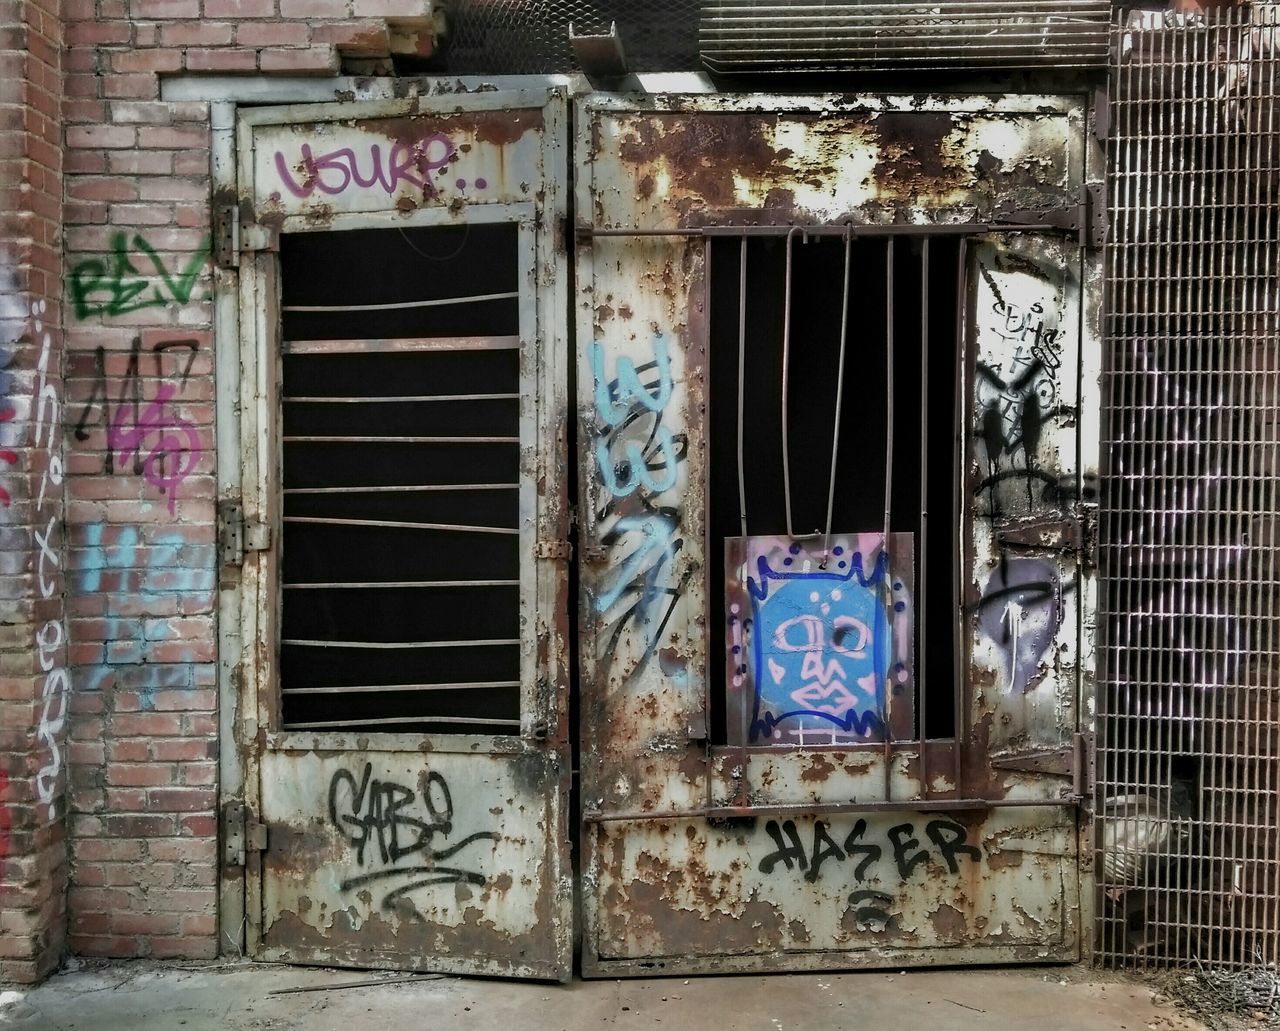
{"x":819,"y":640}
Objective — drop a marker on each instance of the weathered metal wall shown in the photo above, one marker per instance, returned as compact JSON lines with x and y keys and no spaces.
{"x":797,"y":887}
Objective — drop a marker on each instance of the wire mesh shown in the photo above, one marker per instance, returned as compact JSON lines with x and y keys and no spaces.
{"x":1188,"y":832}
{"x":508,"y":37}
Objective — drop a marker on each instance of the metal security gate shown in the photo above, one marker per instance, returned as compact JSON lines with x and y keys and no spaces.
{"x":779,"y":771}
{"x":404,"y":533}
{"x":1188,"y":866}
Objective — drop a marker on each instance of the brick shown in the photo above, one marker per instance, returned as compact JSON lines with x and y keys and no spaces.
{"x":312,"y":60}
{"x":239,"y":8}
{"x":391,"y":8}
{"x":101,"y":137}
{"x":368,"y":38}
{"x":208,"y":60}
{"x":196,"y":34}
{"x":154,"y":60}
{"x":275,"y":33}
{"x":311,"y":9}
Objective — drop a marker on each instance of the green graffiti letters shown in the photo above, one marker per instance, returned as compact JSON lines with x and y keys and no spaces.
{"x":114,"y":286}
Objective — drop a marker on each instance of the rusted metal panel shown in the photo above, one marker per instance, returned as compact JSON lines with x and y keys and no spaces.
{"x":319,"y":161}
{"x":1024,"y":484}
{"x":426,"y":851}
{"x":435,"y":861}
{"x":863,"y":885}
{"x":689,"y":894}
{"x":827,"y":159}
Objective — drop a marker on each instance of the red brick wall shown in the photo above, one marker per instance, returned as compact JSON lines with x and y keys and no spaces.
{"x":142,"y":572}
{"x":34,"y":686}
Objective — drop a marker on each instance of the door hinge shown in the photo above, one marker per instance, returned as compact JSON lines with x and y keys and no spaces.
{"x":1075,"y":761}
{"x":1102,"y":114}
{"x":237,"y":535}
{"x":241,"y":833}
{"x":234,"y":235}
{"x":1075,"y":531}
{"x":1083,"y":764}
{"x":559,"y":550}
{"x":1086,"y":219}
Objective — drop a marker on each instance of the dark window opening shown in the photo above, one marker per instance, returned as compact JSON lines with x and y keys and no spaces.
{"x":817,"y":288}
{"x":400,"y":557}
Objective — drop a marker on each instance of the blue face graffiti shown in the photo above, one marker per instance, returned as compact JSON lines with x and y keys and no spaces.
{"x":822,"y":643}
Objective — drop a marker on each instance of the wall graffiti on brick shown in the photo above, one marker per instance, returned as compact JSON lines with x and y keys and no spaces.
{"x":146,"y":433}
{"x":418,"y":164}
{"x":873,"y":864}
{"x":388,"y":822}
{"x":145,"y":582}
{"x":51,"y":637}
{"x":8,"y":456}
{"x":4,"y":816}
{"x":638,"y":459}
{"x":116,"y":286}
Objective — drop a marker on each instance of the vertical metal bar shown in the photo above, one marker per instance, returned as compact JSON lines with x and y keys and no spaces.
{"x":888,"y":503}
{"x":957,"y":495}
{"x":922,"y":560}
{"x":786,"y":371}
{"x":835,"y":435}
{"x":742,"y":367}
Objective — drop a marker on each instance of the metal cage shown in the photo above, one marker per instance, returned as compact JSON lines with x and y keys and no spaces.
{"x":1188,"y":828}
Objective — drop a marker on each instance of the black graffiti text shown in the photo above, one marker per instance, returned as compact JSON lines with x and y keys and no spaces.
{"x":902,"y":845}
{"x":387,"y":822}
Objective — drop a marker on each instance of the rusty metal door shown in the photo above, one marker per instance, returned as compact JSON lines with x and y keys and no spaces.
{"x":404,"y":531}
{"x":811,"y":822}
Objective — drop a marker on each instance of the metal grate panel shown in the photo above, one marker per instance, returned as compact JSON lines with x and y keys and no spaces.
{"x":495,"y":37}
{"x":1188,"y":833}
{"x":766,"y":35}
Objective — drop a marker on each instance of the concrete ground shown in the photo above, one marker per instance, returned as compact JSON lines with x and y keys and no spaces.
{"x":239,"y":997}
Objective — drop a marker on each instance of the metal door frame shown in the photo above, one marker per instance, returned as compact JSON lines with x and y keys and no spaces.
{"x":248,"y":472}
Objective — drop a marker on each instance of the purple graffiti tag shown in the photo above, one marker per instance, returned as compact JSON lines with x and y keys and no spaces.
{"x":333,"y":173}
{"x":171,"y":444}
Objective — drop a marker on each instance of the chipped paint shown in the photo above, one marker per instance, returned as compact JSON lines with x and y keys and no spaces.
{"x":671,"y":894}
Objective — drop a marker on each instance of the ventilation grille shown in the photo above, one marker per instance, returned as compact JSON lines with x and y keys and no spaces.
{"x":755,"y":35}
{"x":509,"y":37}
{"x":1188,"y":865}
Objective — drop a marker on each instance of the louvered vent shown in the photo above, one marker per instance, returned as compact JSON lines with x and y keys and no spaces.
{"x":759,"y":35}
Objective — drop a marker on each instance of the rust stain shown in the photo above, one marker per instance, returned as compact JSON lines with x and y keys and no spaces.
{"x":818,"y":770}
{"x":949,"y":923}
{"x":704,"y":153}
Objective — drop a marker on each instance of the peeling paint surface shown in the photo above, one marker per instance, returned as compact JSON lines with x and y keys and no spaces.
{"x":408,"y":850}
{"x":858,"y":882}
{"x":793,"y":889}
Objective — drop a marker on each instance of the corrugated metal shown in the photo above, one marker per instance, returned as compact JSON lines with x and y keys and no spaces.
{"x":1188,"y":863}
{"x":760,"y":35}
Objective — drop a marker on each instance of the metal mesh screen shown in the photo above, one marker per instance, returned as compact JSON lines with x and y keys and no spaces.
{"x":826,"y":36}
{"x":1188,"y":863}
{"x":508,"y":37}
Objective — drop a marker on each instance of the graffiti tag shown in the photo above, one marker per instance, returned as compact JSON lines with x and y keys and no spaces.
{"x":334,"y":171}
{"x":162,"y":445}
{"x":386,"y":823}
{"x":902,"y":846}
{"x":115,"y":286}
